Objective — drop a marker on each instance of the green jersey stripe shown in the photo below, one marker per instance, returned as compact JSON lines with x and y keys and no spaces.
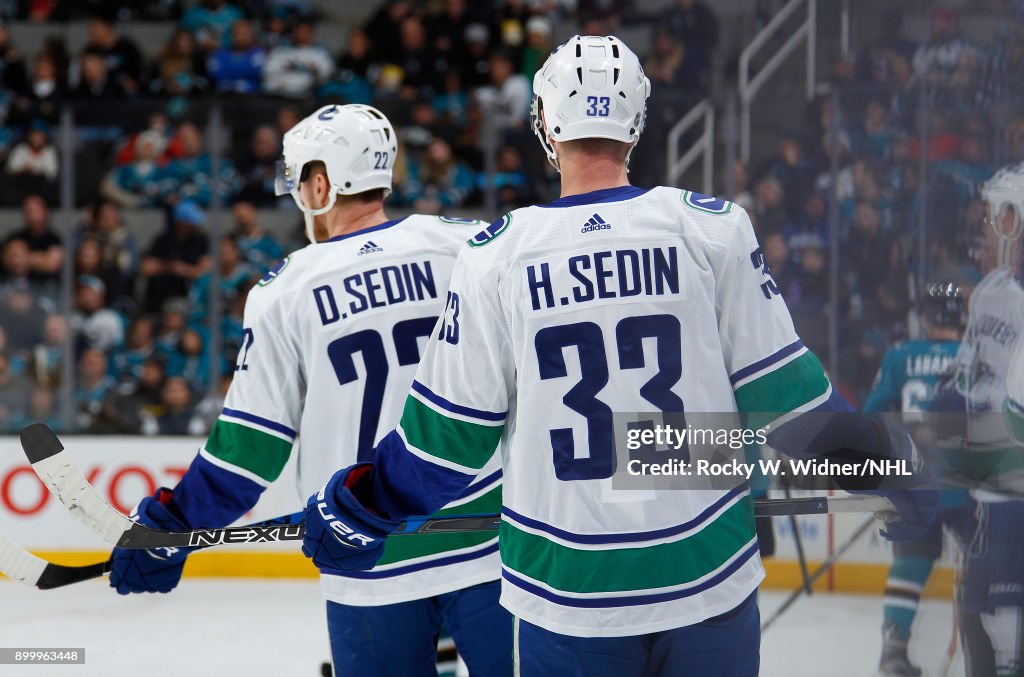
{"x":786,"y":389}
{"x":467,"y":444}
{"x":403,"y":548}
{"x":629,"y":569}
{"x":1014,"y":421}
{"x":260,"y":453}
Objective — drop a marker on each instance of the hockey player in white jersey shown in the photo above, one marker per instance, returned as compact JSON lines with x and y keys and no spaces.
{"x":612,"y":298}
{"x":333,"y":334}
{"x":993,"y":582}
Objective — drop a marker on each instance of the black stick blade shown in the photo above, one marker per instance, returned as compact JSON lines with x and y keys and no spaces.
{"x":40,"y":443}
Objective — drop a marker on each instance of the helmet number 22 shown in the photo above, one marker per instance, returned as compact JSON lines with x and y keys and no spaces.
{"x":598,"y":106}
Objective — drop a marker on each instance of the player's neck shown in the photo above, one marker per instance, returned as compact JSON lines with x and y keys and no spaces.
{"x":585,"y":174}
{"x":353,"y":217}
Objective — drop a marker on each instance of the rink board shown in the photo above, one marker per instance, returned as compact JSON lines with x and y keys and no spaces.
{"x":125,"y":469}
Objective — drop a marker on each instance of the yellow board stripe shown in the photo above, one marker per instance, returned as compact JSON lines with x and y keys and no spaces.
{"x":851,"y":577}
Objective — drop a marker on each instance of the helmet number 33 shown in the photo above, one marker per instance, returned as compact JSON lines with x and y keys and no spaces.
{"x":598,"y":106}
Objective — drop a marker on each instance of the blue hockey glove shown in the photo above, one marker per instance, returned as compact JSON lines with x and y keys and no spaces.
{"x":157,"y":569}
{"x":341,"y":533}
{"x":916,"y":500}
{"x":917,"y":510}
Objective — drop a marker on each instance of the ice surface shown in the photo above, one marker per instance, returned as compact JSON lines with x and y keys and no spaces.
{"x":257,"y":628}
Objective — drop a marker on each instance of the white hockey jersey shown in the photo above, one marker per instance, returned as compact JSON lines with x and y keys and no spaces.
{"x":333,"y":335}
{"x":1014,"y":406}
{"x":619,"y":300}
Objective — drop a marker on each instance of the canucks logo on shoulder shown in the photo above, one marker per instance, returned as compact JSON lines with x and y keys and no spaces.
{"x":369,"y":248}
{"x":272,"y":274}
{"x":706,"y":203}
{"x":595,"y":223}
{"x":491,"y":233}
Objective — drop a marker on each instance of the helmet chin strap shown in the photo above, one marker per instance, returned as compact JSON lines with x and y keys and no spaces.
{"x":308,"y":214}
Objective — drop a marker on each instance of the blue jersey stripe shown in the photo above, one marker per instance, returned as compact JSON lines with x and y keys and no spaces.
{"x":617,"y":194}
{"x":259,"y":420}
{"x":595,"y":539}
{"x":457,"y":408}
{"x":406,"y":484}
{"x":761,"y":365}
{"x":419,"y":566}
{"x":364,"y":231}
{"x":636,"y":600}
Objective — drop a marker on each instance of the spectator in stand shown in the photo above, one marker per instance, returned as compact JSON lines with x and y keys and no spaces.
{"x":93,"y":324}
{"x":180,"y":67}
{"x":121,"y":56}
{"x":257,"y":169}
{"x":35,"y":156}
{"x":287,"y":117}
{"x":210,"y":23}
{"x":92,"y":386}
{"x":602,"y":17}
{"x":947,"y":59}
{"x":438,"y":181}
{"x":447,"y":30}
{"x":119,"y":250}
{"x":452,"y":102}
{"x":968,"y":171}
{"x":739,"y":191}
{"x":190,"y":360}
{"x":769,"y":206}
{"x":40,"y":99}
{"x":41,"y":409}
{"x":538,"y":45}
{"x":95,"y":83}
{"x":509,"y":179}
{"x":124,"y":405}
{"x":140,"y":346}
{"x":15,"y":390}
{"x":89,"y":258}
{"x":359,"y":59}
{"x":886,"y":60}
{"x":865,"y":251}
{"x":143,"y":183}
{"x":421,"y":66}
{"x":296,"y":70}
{"x":874,"y":139}
{"x":238,"y":68}
{"x":810,"y":227}
{"x":385,"y":24}
{"x":13,"y":74}
{"x":259,"y":249}
{"x":235,"y":276}
{"x":173,"y":320}
{"x":177,"y":257}
{"x":696,"y":26}
{"x":46,"y":251}
{"x":24,"y":303}
{"x":190,"y":176}
{"x":48,"y":355}
{"x":668,"y":66}
{"x":476,"y":66}
{"x":795,"y":172}
{"x":506,"y":101}
{"x":178,"y":413}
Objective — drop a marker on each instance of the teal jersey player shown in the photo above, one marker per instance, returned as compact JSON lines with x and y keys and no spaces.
{"x":910,"y":375}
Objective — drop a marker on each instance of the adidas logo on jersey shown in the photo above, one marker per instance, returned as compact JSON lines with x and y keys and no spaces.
{"x":595,"y":223}
{"x":369,"y":248}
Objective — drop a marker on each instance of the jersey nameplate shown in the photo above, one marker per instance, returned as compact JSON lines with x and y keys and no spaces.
{"x":705,"y":203}
{"x":491,"y":233}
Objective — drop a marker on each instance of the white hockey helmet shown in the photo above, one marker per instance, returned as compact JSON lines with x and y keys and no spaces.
{"x":591,"y":87}
{"x":1004,"y":193}
{"x":357,"y":145}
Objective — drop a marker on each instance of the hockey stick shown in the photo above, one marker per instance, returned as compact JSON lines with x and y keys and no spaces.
{"x":21,"y":565}
{"x":57,"y":469}
{"x":825,"y":566}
